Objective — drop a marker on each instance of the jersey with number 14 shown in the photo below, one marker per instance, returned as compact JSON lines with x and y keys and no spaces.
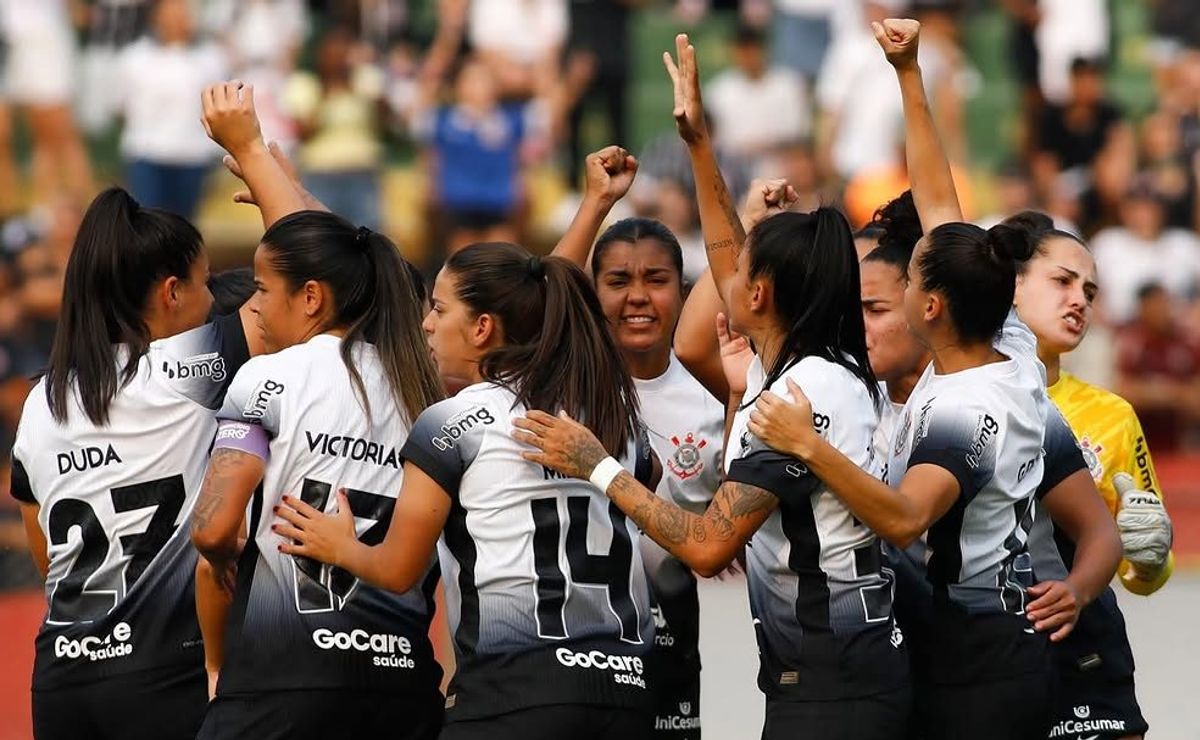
{"x":296,"y":623}
{"x":545,"y":586}
{"x":113,"y":501}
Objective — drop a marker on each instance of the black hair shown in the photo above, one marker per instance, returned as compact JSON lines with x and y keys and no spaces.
{"x":1095,"y":65}
{"x":976,"y":273}
{"x":632,"y":230}
{"x":811,"y":261}
{"x":374,"y":299}
{"x":901,"y":225}
{"x":1150,"y":289}
{"x":230,"y":290}
{"x":121,"y":251}
{"x":1039,"y":228}
{"x":745,"y":34}
{"x":558,"y":352}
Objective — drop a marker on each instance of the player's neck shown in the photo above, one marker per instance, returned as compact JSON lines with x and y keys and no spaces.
{"x":648,"y":365}
{"x":955,"y":358}
{"x":1053,"y":363}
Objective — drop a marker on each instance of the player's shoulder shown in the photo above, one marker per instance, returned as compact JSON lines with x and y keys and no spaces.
{"x":1084,"y":403}
{"x":475,"y":407}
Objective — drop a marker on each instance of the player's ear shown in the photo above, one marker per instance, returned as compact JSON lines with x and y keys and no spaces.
{"x":486,"y":332}
{"x":935,"y":307}
{"x":760,"y":295}
{"x":315,"y":297}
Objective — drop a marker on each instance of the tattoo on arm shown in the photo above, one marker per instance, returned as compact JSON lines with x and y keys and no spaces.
{"x":731,"y":214}
{"x":719,"y":245}
{"x":217,"y":480}
{"x":748,"y":499}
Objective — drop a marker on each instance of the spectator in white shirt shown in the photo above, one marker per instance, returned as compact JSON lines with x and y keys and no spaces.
{"x":520,"y":41}
{"x":757,"y":107}
{"x":165,"y":149}
{"x":1140,"y":251}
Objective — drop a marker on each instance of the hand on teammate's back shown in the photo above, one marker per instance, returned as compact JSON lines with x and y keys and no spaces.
{"x":229,"y":116}
{"x":685,"y":79}
{"x":1055,"y":608}
{"x":610,"y":173}
{"x":783,"y":426}
{"x":898,"y":37}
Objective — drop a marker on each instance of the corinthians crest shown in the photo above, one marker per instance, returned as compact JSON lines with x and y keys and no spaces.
{"x":686,"y":461}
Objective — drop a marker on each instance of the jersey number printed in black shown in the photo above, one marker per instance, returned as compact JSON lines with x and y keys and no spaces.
{"x":79,"y":596}
{"x":324,"y":588}
{"x":611,"y":571}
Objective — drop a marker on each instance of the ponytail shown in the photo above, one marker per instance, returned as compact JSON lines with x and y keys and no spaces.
{"x":558,"y":352}
{"x":1038,"y":228}
{"x":975,"y":271}
{"x":811,"y":260}
{"x":374,"y":296}
{"x":121,"y":251}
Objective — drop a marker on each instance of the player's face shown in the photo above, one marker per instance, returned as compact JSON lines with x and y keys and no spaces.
{"x":1054,"y":297}
{"x":193,"y":298}
{"x":640,"y":290}
{"x":279,"y":310}
{"x":893,"y":350}
{"x":450,"y":326}
{"x":741,"y":317}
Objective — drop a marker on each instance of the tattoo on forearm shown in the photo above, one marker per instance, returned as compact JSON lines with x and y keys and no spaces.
{"x":718,"y":245}
{"x":747,"y":500}
{"x":584,"y":453}
{"x":217,"y":479}
{"x":730,"y":208}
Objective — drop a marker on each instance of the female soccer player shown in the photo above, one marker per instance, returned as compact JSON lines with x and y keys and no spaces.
{"x":549,"y":607}
{"x":637,"y":265}
{"x":329,"y":409}
{"x":1054,"y":295}
{"x":107,"y":464}
{"x":966,"y":460}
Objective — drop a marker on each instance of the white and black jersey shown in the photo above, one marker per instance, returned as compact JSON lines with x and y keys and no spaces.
{"x":113,"y":500}
{"x":296,"y":623}
{"x":545,"y":587}
{"x":686,"y":428}
{"x":821,"y":599}
{"x":986,"y":426}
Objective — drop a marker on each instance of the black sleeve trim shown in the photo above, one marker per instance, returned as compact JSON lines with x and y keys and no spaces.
{"x":432,"y":465}
{"x":954,"y":463}
{"x":233,"y":346}
{"x":643,"y":467}
{"x":783,"y":476}
{"x":20,"y":488}
{"x":1062,"y":461}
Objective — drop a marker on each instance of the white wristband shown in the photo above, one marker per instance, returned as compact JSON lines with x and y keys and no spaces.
{"x":605,"y":472}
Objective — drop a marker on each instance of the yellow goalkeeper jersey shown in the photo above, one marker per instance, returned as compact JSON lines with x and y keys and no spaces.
{"x":1113,"y":442}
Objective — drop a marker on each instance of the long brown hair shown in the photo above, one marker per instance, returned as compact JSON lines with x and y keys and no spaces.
{"x":558,"y":352}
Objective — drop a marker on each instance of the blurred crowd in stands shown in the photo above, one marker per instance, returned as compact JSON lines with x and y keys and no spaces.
{"x":490,"y":105}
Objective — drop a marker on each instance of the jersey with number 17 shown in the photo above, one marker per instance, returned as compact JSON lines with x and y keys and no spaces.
{"x":297,"y":623}
{"x":113,"y":502}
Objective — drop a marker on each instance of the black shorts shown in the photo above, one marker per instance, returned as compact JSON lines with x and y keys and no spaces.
{"x":1016,"y":708}
{"x":1095,"y":706}
{"x":677,"y":706}
{"x":870,"y":718}
{"x":555,"y":722}
{"x":148,"y":705}
{"x":322,"y":714}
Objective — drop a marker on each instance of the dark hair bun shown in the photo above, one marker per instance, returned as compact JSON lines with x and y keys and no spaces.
{"x":1031,"y":222}
{"x":1011,"y":243}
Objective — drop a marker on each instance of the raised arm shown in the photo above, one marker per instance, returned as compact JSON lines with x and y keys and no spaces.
{"x":396,"y":564}
{"x":231,"y":121}
{"x":928,"y":167}
{"x":723,"y":232}
{"x":610,"y":174}
{"x":707,"y":543}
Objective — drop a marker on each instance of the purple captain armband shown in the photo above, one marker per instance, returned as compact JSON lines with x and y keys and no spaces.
{"x":243,"y":437}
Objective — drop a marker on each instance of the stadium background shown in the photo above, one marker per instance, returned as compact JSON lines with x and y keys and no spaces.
{"x":1161,"y":628}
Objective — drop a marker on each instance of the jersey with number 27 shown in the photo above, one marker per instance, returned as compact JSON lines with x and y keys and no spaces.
{"x":113,"y":501}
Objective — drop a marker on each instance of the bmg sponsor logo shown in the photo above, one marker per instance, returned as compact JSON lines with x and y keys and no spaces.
{"x":115,"y":644}
{"x":625,"y":669}
{"x":210,"y":365}
{"x":459,"y":424}
{"x":390,"y":651}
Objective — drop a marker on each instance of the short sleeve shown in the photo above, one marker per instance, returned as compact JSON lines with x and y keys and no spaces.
{"x":199,"y":364}
{"x":19,"y":486}
{"x":1063,"y":457}
{"x":445,"y":440}
{"x":784,"y":476}
{"x":256,"y":395}
{"x":959,"y":439}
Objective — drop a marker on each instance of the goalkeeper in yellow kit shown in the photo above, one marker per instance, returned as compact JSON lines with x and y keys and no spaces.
{"x":1055,"y":291}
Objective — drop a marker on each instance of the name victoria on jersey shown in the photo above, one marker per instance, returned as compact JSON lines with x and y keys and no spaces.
{"x":354,"y":448}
